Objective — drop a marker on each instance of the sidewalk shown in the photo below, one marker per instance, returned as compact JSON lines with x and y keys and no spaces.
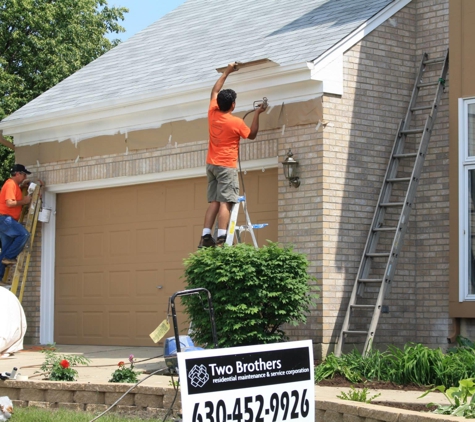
{"x":104,"y":360}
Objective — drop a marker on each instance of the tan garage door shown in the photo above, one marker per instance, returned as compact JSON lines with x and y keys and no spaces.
{"x":120,"y":251}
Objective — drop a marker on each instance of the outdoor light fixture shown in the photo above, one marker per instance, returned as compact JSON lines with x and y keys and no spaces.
{"x":290,"y":170}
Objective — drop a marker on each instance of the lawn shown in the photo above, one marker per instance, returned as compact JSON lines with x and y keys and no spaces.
{"x":33,"y":414}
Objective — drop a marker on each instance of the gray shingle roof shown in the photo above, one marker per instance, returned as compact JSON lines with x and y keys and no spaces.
{"x":189,"y":43}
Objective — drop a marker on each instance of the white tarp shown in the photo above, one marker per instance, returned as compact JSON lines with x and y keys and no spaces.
{"x":6,"y":408}
{"x":12,"y":323}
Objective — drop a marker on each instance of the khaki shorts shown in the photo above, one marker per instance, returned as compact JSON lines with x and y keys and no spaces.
{"x":223,"y":184}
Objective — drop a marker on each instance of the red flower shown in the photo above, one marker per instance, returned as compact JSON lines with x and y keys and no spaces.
{"x":64,"y":364}
{"x":121,"y":364}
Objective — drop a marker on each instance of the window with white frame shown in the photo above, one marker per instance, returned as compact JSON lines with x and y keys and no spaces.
{"x":467,"y":199}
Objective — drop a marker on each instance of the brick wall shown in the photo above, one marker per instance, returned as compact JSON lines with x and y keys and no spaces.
{"x":379,"y":75}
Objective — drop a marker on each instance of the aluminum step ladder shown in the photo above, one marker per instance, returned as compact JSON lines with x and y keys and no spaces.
{"x":234,"y":229}
{"x":383,"y":245}
{"x":29,"y":218}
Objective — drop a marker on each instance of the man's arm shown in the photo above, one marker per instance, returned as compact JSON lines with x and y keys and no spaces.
{"x":255,"y":121}
{"x":232,"y":67}
{"x":24,"y":201}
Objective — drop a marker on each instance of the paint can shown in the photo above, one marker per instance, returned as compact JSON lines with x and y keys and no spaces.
{"x":44,"y":215}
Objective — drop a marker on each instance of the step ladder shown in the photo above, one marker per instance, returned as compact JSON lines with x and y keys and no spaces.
{"x":234,"y":229}
{"x":29,"y":218}
{"x":383,"y":245}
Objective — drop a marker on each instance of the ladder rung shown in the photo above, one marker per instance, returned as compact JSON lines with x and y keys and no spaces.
{"x":384,"y":229}
{"x":412,"y":131}
{"x":377,"y":254}
{"x":426,"y":84}
{"x":399,"y":179}
{"x":421,"y":108}
{"x":406,"y":155}
{"x":436,"y":60}
{"x":362,"y":306}
{"x":355,"y":332}
{"x":370,"y":280}
{"x":391,"y":204}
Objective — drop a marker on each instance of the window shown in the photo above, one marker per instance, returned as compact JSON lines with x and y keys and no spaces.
{"x":467,"y":199}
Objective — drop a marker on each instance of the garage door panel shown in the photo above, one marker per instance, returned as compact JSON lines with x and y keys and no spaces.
{"x":69,"y":246}
{"x":115,"y":274}
{"x":147,"y":284}
{"x":120,"y":242}
{"x":200,"y":201}
{"x":71,"y":323}
{"x":93,"y":285}
{"x":70,"y":206}
{"x":93,"y":324}
{"x":145,"y":322}
{"x":148,"y":241}
{"x":120,"y":284}
{"x":67,"y":286}
{"x":96,"y":208}
{"x":119,"y":324}
{"x":94,"y":245}
{"x":151,"y":201}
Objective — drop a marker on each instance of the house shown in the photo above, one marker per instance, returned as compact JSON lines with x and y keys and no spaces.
{"x":121,"y":145}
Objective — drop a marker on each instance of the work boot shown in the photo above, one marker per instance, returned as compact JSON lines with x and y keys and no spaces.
{"x":221,"y":240}
{"x":206,"y":241}
{"x":8,"y":261}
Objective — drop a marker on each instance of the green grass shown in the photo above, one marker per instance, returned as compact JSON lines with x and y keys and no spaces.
{"x":33,"y":414}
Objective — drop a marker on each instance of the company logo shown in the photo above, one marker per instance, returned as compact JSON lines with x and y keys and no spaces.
{"x":198,"y":376}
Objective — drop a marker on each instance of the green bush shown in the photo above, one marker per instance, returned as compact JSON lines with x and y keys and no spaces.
{"x":414,"y":364}
{"x":254,"y":292}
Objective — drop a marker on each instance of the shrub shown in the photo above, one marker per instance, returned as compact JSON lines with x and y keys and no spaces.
{"x":414,"y":364}
{"x":254,"y":292}
{"x":58,"y":367}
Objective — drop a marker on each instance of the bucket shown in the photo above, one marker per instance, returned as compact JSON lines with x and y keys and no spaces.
{"x":44,"y":215}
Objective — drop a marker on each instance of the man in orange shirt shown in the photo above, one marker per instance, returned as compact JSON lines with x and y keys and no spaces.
{"x":225,"y":133}
{"x":12,"y":234}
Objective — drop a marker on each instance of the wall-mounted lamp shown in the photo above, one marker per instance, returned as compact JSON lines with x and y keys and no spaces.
{"x":290,"y":169}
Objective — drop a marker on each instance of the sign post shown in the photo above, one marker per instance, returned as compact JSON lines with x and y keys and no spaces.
{"x":271,"y":382}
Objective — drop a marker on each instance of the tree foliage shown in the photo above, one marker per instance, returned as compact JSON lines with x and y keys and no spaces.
{"x":254,"y":292}
{"x":44,"y":41}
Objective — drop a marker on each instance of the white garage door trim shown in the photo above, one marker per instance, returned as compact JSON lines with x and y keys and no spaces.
{"x":49,"y":229}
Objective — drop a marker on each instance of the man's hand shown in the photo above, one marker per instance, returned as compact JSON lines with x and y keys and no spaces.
{"x":26,"y":200}
{"x":232,"y":67}
{"x":262,"y":107}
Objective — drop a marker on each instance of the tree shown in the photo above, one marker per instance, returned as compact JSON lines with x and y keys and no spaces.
{"x":44,"y":41}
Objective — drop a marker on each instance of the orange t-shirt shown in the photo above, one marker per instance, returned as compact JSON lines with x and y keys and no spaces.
{"x":225,"y":133}
{"x":10,"y":190}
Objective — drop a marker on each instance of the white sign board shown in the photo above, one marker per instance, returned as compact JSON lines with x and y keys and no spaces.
{"x":266,"y":383}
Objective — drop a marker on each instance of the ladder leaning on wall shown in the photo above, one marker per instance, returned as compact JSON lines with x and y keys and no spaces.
{"x":385,"y":238}
{"x":29,"y":218}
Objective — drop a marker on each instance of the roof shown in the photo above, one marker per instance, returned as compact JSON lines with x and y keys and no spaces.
{"x":189,"y":43}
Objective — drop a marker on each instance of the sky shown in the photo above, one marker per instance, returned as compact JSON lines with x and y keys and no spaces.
{"x":142,"y":13}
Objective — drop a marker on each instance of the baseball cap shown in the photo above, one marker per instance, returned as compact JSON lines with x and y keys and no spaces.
{"x":19,"y":168}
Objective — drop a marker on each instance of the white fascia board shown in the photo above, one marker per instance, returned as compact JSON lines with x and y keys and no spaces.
{"x":329,"y":66}
{"x":286,"y":83}
{"x":262,"y":164}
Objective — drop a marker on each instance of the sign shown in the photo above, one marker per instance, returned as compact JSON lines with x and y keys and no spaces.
{"x":265,"y":383}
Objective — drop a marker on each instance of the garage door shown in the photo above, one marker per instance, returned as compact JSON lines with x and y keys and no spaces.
{"x":120,"y":251}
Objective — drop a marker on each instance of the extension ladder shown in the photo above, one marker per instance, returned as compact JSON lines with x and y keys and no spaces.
{"x":383,"y":245}
{"x":238,"y":230}
{"x":29,"y":218}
